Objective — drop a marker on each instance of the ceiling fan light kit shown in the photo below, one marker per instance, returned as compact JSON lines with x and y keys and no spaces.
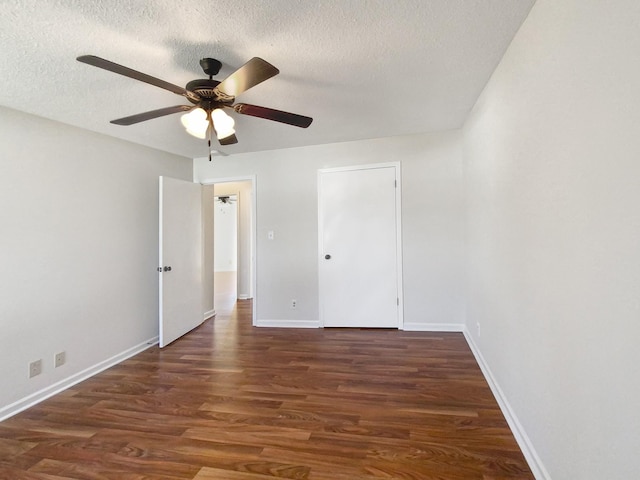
{"x":198,"y":121}
{"x":208,"y":98}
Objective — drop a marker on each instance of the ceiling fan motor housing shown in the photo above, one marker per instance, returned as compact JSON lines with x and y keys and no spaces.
{"x":206,"y":90}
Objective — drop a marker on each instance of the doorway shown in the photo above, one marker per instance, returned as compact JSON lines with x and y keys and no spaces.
{"x":228,"y":277}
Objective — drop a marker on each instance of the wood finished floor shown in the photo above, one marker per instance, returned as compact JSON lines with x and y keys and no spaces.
{"x":230,"y":401}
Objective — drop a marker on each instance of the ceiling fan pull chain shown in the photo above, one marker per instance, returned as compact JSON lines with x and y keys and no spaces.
{"x":209,"y":131}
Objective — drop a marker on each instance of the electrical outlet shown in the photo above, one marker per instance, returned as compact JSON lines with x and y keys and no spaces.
{"x":60,"y":359}
{"x":35,"y":368}
{"x":294,"y":303}
{"x":478,"y":328}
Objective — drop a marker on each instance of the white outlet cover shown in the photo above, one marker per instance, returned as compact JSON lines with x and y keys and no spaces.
{"x":35,"y":368}
{"x":60,"y":359}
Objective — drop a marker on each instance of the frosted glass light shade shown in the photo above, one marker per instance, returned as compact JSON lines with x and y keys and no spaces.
{"x":196,"y":123}
{"x":222,"y":123}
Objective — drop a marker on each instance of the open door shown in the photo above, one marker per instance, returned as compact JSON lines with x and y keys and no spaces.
{"x":180,"y":265}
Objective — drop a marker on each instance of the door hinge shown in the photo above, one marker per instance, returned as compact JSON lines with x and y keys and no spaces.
{"x":395,"y":183}
{"x":398,"y":301}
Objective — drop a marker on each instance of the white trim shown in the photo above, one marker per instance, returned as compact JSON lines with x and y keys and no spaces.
{"x":525,"y":444}
{"x":289,"y":323}
{"x":399,"y":281}
{"x":68,"y":382}
{"x":209,"y":314}
{"x":254,"y":227}
{"x":367,"y":166}
{"x":398,"y":191}
{"x":433,"y":327}
{"x":160,"y":259}
{"x":244,"y":296}
{"x":213,"y":180}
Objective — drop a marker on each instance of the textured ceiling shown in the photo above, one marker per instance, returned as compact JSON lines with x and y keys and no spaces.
{"x":360,"y":68}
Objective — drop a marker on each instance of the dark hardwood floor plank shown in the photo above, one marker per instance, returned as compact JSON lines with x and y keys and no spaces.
{"x":92,"y":471}
{"x":322,"y":461}
{"x":11,"y":473}
{"x":24,"y":422}
{"x":101,"y":461}
{"x":208,"y":473}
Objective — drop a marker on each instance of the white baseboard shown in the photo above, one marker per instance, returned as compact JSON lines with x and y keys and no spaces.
{"x":433,"y":327}
{"x":288,"y":323}
{"x":244,"y":296}
{"x":529,"y":452}
{"x":415,"y":327}
{"x":208,"y":315}
{"x":68,"y":382}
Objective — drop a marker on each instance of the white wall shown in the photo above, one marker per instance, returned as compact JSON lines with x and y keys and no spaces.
{"x":433,"y":223}
{"x":78,"y":249}
{"x":552,"y":158}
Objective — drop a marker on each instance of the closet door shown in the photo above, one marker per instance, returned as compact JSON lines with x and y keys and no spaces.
{"x":359,"y":257}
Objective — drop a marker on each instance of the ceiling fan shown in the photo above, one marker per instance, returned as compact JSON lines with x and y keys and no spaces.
{"x":208,"y":98}
{"x":226,"y":199}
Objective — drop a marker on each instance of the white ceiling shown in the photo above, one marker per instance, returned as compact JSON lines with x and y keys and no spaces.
{"x":360,"y":68}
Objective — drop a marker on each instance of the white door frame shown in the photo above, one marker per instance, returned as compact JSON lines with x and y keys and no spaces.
{"x":254,"y":222}
{"x":398,"y":171}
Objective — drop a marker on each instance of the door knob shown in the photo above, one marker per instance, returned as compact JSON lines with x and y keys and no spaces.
{"x":167,"y":269}
{"x":327,"y":257}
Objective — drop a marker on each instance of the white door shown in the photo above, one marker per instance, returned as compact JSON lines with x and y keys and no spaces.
{"x":180,"y":258}
{"x":359,"y":247}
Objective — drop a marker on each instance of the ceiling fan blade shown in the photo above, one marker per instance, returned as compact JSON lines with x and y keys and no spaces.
{"x":142,"y":77}
{"x":249,"y":75}
{"x":230,"y":140}
{"x":272,"y":114}
{"x":141,"y":117}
